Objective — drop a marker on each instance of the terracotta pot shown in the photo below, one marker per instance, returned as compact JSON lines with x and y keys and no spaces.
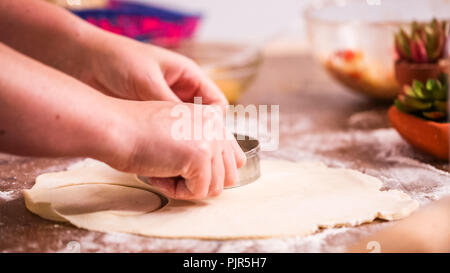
{"x":428,"y":136}
{"x":406,"y":72}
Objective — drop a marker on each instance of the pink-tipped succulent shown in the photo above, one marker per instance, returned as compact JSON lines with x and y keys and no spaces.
{"x":424,"y":43}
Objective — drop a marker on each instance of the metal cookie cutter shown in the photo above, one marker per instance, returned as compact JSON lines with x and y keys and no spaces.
{"x":248,"y":173}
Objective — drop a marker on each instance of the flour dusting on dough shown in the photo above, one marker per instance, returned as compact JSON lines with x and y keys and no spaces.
{"x":290,"y":199}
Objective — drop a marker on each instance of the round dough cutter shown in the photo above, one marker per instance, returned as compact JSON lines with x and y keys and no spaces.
{"x":250,"y":172}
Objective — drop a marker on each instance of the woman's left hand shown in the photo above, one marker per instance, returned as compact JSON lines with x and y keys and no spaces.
{"x":128,"y":69}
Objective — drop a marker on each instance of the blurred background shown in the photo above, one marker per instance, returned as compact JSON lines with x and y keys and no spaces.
{"x":249,"y":20}
{"x":353,"y":40}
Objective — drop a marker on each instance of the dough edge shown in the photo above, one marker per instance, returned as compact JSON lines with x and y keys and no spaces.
{"x":45,"y":210}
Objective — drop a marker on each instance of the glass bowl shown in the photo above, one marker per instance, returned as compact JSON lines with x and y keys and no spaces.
{"x":231,"y":66}
{"x":353,"y":39}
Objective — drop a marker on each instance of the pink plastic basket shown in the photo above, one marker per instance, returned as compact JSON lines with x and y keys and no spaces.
{"x":143,"y":22}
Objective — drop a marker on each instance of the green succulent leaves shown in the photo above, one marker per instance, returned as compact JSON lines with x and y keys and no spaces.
{"x":426,"y":100}
{"x":424,"y":43}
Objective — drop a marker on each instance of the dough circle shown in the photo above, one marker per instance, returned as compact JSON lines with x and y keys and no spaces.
{"x":290,"y":199}
{"x":89,"y":198}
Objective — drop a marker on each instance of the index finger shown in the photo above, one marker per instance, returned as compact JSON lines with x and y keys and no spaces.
{"x":210,"y":92}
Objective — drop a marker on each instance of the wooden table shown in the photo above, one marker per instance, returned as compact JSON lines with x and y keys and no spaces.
{"x":319,"y":121}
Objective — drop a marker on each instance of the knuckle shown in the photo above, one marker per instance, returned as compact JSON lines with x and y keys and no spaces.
{"x":199,"y":195}
{"x":190,"y":63}
{"x":203,"y":150}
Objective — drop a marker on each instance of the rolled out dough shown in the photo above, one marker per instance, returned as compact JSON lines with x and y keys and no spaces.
{"x":288,"y":199}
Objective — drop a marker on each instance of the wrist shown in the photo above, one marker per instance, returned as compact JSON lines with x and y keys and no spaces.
{"x":111,"y":134}
{"x":103,"y":67}
{"x":84,"y":51}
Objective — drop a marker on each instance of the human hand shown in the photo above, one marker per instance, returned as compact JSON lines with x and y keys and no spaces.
{"x":113,"y":64}
{"x":132,"y":136}
{"x":148,"y":145}
{"x":132,"y":70}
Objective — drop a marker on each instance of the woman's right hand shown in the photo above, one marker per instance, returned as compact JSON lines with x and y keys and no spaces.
{"x":148,"y":144}
{"x":53,"y":115}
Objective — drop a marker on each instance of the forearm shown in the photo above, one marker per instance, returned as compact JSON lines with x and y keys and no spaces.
{"x":44,"y":112}
{"x":47,"y":33}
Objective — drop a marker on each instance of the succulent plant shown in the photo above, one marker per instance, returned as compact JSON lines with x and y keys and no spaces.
{"x":424,"y":43}
{"x":428,"y":101}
